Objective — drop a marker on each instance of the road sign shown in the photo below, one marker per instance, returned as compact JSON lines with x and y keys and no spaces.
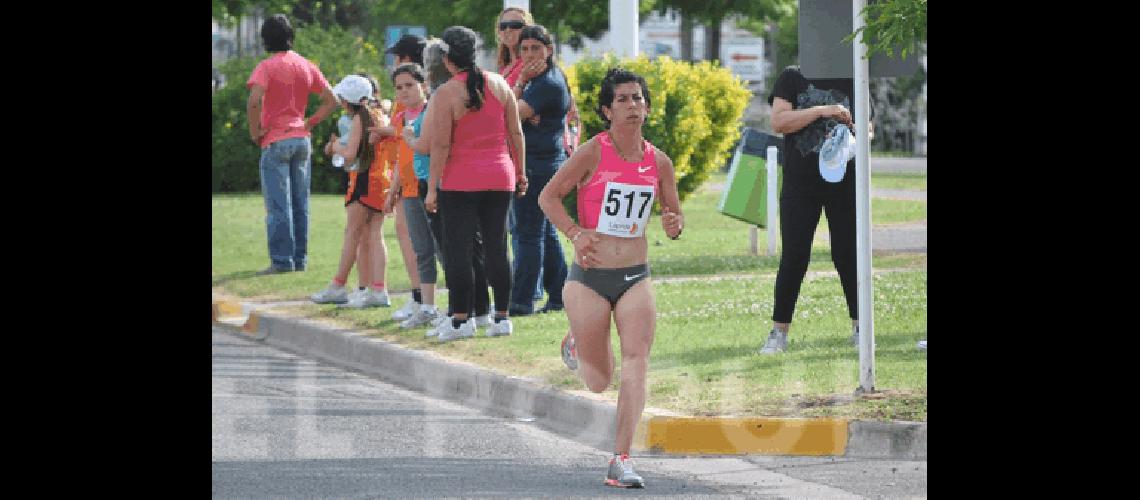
{"x":745,"y":58}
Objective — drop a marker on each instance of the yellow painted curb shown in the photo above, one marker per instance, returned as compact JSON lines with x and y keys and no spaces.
{"x":225,"y":308}
{"x":729,"y":435}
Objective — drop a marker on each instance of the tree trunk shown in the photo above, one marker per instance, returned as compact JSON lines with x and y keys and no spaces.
{"x":686,"y":37}
{"x":712,"y":39}
{"x":773,"y":50}
{"x":239,"y":36}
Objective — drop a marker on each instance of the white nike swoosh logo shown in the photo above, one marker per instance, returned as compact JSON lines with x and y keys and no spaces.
{"x":643,"y":170}
{"x":631,"y":278}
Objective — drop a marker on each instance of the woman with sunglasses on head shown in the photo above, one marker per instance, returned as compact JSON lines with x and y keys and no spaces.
{"x":618,"y":175}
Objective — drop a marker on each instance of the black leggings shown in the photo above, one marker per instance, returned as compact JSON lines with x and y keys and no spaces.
{"x":801,"y":200}
{"x":464,"y":213}
{"x":480,"y":303}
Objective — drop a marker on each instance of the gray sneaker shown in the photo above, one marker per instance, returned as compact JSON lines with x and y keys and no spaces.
{"x":499,"y":329}
{"x":424,"y":315}
{"x":485,"y":320}
{"x":447,"y":333}
{"x":331,"y":295}
{"x":368,"y":298}
{"x":621,"y":474}
{"x":433,"y":327}
{"x":406,"y":311}
{"x":922,"y":345}
{"x":777,"y":342}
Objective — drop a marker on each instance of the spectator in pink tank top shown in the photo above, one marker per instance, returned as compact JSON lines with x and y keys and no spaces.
{"x":473,"y":124}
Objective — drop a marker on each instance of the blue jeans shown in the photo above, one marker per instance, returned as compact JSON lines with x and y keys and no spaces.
{"x":539,"y":250}
{"x":285,"y":181}
{"x":515,"y":250}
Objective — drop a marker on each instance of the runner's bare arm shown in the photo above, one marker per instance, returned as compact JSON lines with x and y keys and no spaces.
{"x":672,"y":220}
{"x":576,"y":169}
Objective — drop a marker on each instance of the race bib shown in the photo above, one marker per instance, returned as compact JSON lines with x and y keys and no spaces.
{"x":625,"y":210}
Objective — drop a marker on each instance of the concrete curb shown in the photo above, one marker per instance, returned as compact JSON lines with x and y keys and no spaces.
{"x":585,"y":420}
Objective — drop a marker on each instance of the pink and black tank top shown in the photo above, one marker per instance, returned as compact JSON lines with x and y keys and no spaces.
{"x":618,"y":198}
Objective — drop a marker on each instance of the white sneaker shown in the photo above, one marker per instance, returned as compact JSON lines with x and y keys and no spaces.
{"x":408,"y":310}
{"x":379,"y":298}
{"x":354,"y":293}
{"x":500,"y":329}
{"x":447,"y":332}
{"x":425,"y":315}
{"x":485,"y":320}
{"x":922,"y":345}
{"x":368,"y":298}
{"x":777,"y":342}
{"x":331,"y":295}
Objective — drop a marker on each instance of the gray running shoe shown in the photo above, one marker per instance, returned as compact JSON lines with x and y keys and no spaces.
{"x":777,"y":342}
{"x":425,"y":315}
{"x":922,"y":345}
{"x":368,"y":298}
{"x":569,"y":352}
{"x":408,"y":310}
{"x":447,"y":332}
{"x":621,"y":474}
{"x":485,"y":320}
{"x":500,"y":328}
{"x":331,"y":295}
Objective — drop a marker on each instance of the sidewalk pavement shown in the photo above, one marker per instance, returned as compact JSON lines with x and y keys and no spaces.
{"x":898,"y":165}
{"x":583,"y":417}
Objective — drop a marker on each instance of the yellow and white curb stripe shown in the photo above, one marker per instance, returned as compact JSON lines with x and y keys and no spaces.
{"x":741,"y":435}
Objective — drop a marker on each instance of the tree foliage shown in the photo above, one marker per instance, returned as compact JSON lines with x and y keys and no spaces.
{"x":890,"y":24}
{"x":713,"y":13}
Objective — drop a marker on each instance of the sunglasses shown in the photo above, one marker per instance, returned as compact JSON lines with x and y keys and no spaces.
{"x":516,"y":25}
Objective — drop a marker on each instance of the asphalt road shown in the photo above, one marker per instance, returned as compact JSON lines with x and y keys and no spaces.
{"x":286,"y":426}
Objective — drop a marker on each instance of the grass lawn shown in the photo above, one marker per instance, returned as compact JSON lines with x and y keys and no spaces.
{"x":704,"y":359}
{"x":909,"y":182}
{"x":713,"y":243}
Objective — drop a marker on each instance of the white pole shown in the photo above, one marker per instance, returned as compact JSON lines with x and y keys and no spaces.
{"x":863,"y":210}
{"x":524,"y":4}
{"x":623,"y":27}
{"x":772,"y":195}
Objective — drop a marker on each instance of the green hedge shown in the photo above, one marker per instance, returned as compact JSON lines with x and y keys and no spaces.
{"x":694,"y":116}
{"x":235,"y":158}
